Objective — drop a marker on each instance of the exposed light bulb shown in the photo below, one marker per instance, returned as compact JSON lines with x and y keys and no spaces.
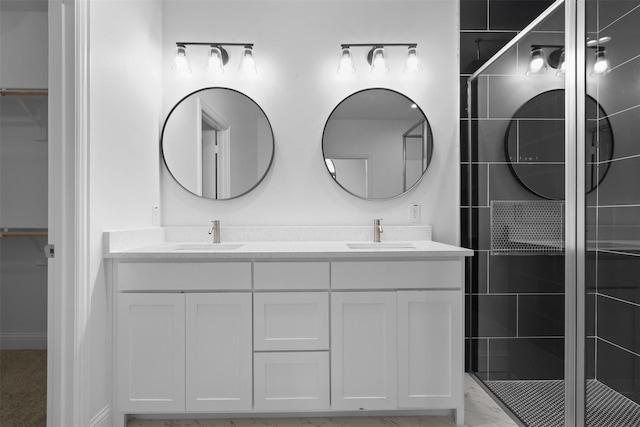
{"x":601,"y":66}
{"x":413,"y":61}
{"x":538,"y":63}
{"x":181,"y":61}
{"x":346,"y":62}
{"x":247,"y":62}
{"x":378,"y":61}
{"x":215,"y":64}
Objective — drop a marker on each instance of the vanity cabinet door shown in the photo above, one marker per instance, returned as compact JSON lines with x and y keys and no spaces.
{"x":151,"y":340}
{"x":219,"y":355}
{"x":429,"y":349}
{"x":363,"y":350}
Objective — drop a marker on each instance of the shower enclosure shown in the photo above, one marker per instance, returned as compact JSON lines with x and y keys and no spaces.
{"x":552,"y":211}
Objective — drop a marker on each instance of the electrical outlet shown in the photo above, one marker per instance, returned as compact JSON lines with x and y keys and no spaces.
{"x":414,"y":213}
{"x":155,"y":216}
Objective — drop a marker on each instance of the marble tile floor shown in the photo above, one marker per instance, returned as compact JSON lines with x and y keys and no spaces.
{"x":480,"y":411}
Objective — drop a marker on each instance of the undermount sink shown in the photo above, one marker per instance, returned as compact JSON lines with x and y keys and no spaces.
{"x":381,"y":245}
{"x":207,"y":246}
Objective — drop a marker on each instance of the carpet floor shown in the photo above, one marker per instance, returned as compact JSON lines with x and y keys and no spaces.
{"x":23,"y":388}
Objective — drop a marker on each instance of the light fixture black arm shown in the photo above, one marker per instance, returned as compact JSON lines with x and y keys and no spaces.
{"x":213,"y":44}
{"x":344,"y":45}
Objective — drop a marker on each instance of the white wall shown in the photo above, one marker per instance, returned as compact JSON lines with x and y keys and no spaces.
{"x":125,"y":98}
{"x":296,"y":48}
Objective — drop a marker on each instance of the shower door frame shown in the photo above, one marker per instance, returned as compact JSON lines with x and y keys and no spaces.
{"x":575,"y":234}
{"x":575,"y":200}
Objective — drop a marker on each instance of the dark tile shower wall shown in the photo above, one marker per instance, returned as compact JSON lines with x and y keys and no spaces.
{"x":515,"y":304}
{"x":614,"y":209}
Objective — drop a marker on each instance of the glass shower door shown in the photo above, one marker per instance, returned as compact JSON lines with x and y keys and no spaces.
{"x":516,"y":221}
{"x":613,"y":215}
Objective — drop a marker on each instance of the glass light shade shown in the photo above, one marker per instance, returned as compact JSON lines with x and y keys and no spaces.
{"x":601,"y":66}
{"x":181,"y":61}
{"x":379,"y":61}
{"x":247,"y":62}
{"x":413,"y":61}
{"x":215,"y":64}
{"x":561,"y":66}
{"x":538,"y":62}
{"x":346,"y":62}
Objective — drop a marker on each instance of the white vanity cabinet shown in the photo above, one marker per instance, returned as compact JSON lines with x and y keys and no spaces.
{"x":291,"y":336}
{"x":248,"y":334}
{"x":218,"y":352}
{"x":430,"y":349}
{"x":178,"y":351}
{"x":150,"y":356}
{"x":363,"y":350}
{"x":397,"y":336}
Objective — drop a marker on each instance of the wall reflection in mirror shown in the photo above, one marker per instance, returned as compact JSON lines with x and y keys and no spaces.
{"x":217,"y":143}
{"x":377,"y":144}
{"x":535,"y":148}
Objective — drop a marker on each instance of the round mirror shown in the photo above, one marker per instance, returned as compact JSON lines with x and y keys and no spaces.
{"x":534,"y":144}
{"x":217,"y":143}
{"x":377,"y":144}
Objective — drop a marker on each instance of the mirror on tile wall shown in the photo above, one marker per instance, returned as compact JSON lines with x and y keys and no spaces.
{"x":217,"y":143}
{"x":534,"y":144}
{"x":377,"y":144}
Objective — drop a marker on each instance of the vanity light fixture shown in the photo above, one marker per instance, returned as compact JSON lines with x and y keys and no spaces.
{"x":217,"y":57}
{"x":247,"y":61}
{"x":377,"y":58}
{"x":556,"y":59}
{"x":345,"y":66}
{"x":413,"y":61}
{"x":181,"y":62}
{"x":601,"y":66}
{"x":538,"y":61}
{"x":561,"y":65}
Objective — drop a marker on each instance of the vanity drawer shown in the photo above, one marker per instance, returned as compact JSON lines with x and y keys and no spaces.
{"x":291,"y":321}
{"x":291,"y":381}
{"x":443,"y":274}
{"x":182,"y":276}
{"x":291,"y":275}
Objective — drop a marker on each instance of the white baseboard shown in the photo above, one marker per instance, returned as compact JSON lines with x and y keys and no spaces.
{"x":23,"y":341}
{"x":102,"y":418}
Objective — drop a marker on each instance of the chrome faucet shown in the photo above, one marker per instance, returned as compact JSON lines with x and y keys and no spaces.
{"x":377,"y":229}
{"x":215,"y":231}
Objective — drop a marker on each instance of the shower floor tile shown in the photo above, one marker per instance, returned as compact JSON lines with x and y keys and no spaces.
{"x":541,"y":403}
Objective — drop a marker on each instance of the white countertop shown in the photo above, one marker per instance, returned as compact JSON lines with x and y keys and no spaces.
{"x":281,"y":250}
{"x":399,"y":242}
